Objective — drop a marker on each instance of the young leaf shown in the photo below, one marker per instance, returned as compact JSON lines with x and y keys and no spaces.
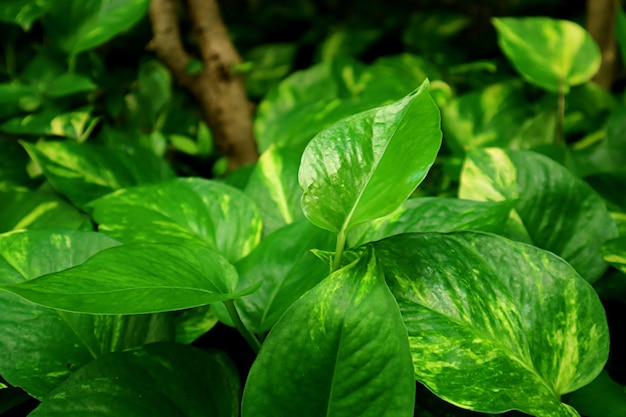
{"x":493,"y":324}
{"x":553,"y":54}
{"x":49,"y":343}
{"x":182,"y":210}
{"x":83,"y":171}
{"x":161,"y":379}
{"x":557,"y":211}
{"x":341,"y":350}
{"x":434,"y":214}
{"x":363,"y":167}
{"x":137,"y":279}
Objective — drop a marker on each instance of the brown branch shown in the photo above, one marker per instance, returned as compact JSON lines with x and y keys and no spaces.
{"x":601,"y":15}
{"x":219,"y":91}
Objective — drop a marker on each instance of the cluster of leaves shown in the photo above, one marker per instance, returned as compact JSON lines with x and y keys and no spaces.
{"x":485,"y":285}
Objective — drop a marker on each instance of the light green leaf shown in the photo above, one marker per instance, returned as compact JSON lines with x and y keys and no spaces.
{"x":493,"y":324}
{"x":352,"y":353}
{"x":284,"y":263}
{"x":273,"y":185}
{"x":554,"y":209}
{"x":23,"y":12}
{"x":182,"y":210}
{"x":365,"y":166}
{"x":84,"y":171}
{"x":614,"y":252}
{"x":137,"y":279}
{"x":76,"y":26}
{"x":72,"y":124}
{"x":39,"y":209}
{"x":40,"y":347}
{"x":162,"y":379}
{"x":433,"y":214}
{"x":553,"y":54}
{"x":69,"y":83}
{"x":193,"y":323}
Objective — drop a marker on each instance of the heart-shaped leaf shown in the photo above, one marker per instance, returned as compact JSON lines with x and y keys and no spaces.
{"x":137,"y":279}
{"x":160,"y":379}
{"x":553,"y":54}
{"x":554,"y":209}
{"x":49,"y":343}
{"x":493,"y":324}
{"x":352,"y":353}
{"x":84,"y":171}
{"x":183,"y":210}
{"x":363,"y":167}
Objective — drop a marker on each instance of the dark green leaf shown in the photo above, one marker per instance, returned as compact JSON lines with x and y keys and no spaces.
{"x":72,"y":125}
{"x":17,"y":98}
{"x":602,"y":398}
{"x":161,"y":379}
{"x":23,"y":12}
{"x":432,"y":214}
{"x":557,"y":211}
{"x":47,"y":343}
{"x":137,"y":279}
{"x":493,"y":324}
{"x":84,"y":171}
{"x":341,"y":350}
{"x":271,"y":62}
{"x":553,"y":54}
{"x":68,"y":84}
{"x":76,"y":26}
{"x":182,"y":210}
{"x":365,"y":166}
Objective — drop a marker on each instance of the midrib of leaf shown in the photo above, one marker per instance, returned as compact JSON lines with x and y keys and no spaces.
{"x":332,"y":381}
{"x":279,"y":194}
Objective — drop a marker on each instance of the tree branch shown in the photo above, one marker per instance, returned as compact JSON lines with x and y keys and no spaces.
{"x":601,"y":15}
{"x":219,"y":91}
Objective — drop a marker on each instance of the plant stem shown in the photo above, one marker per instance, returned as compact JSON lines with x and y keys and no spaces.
{"x":560,"y":115}
{"x":234,"y":315}
{"x":341,"y":243}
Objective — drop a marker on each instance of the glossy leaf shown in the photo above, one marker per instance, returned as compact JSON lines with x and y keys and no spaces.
{"x":273,"y":185}
{"x":52,"y":344}
{"x":162,"y":379}
{"x":137,"y":279}
{"x":553,"y":54}
{"x":72,"y":124}
{"x":352,"y":353}
{"x":193,"y":323}
{"x":433,"y":214}
{"x":614,"y":252}
{"x":493,"y":324}
{"x":557,"y":211}
{"x":84,"y":171}
{"x":284,"y":263}
{"x":39,"y":209}
{"x":182,"y":210}
{"x":76,"y":26}
{"x":365,"y":166}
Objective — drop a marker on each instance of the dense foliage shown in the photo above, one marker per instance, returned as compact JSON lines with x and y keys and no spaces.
{"x":496,"y":286}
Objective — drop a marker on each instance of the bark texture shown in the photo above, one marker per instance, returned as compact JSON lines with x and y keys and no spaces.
{"x":601,"y":15}
{"x":219,"y":91}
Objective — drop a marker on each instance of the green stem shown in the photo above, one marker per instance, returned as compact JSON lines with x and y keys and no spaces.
{"x":71,"y":63}
{"x":234,"y":315}
{"x":341,"y":243}
{"x":560,"y":115}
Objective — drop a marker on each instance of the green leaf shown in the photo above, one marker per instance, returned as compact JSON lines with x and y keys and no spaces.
{"x":84,"y":171}
{"x":553,"y":54}
{"x":271,"y":62}
{"x":340,"y":350}
{"x":365,"y":166}
{"x":614,"y":252}
{"x":76,"y":26}
{"x":493,"y":324}
{"x":182,"y":210}
{"x":16,"y":99}
{"x":155,"y":90}
{"x":137,"y":279}
{"x":69,"y":83}
{"x":602,"y":398}
{"x":273,"y":185}
{"x":556,"y":210}
{"x":161,"y":379}
{"x":40,"y":347}
{"x":39,"y":210}
{"x":23,"y":12}
{"x":433,"y":214}
{"x":193,"y":323}
{"x":72,"y":124}
{"x":284,"y":263}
